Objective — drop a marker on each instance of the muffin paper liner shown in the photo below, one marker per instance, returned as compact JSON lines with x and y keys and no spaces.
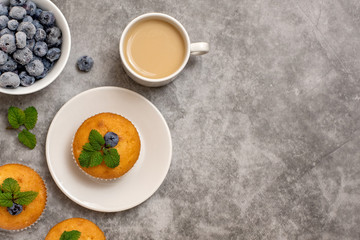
{"x":97,"y":179}
{"x":5,"y":231}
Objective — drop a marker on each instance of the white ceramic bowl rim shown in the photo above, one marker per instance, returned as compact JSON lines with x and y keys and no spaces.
{"x":170,"y":20}
{"x":65,"y":51}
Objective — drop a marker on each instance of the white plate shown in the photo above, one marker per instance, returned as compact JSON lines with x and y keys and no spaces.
{"x":135,"y":186}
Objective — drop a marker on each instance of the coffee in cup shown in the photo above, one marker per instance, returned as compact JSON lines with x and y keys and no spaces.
{"x":155,"y":48}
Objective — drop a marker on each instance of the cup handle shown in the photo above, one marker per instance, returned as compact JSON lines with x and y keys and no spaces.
{"x":199,"y":48}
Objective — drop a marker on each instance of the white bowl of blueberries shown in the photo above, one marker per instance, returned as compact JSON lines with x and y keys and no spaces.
{"x":35,"y":45}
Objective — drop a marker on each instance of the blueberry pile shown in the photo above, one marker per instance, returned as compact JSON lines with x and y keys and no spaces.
{"x":30,"y":43}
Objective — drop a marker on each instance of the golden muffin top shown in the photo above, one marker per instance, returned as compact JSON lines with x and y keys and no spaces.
{"x":88,"y":230}
{"x":28,"y":180}
{"x":128,"y":146}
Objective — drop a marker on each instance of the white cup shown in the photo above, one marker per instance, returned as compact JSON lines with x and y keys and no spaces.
{"x":198,"y":48}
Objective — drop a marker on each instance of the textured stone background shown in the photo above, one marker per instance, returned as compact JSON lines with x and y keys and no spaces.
{"x":265,"y":128}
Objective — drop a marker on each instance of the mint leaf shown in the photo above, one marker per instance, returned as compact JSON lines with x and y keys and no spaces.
{"x":10,"y":185}
{"x":16,"y":117}
{"x":96,"y":140}
{"x":72,"y":235}
{"x":31,"y":116}
{"x":25,"y":198}
{"x":112,"y":158}
{"x":88,"y":147}
{"x":84,"y":158}
{"x":96,"y":159}
{"x":6,"y":199}
{"x":27,"y":138}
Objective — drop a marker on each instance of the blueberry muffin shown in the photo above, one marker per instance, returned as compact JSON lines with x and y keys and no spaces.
{"x":117,"y":137}
{"x":81,"y":227}
{"x":23,"y":194}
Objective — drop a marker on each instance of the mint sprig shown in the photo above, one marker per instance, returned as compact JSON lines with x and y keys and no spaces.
{"x":96,"y":140}
{"x":88,"y":147}
{"x":31,"y":116}
{"x":6,"y":199}
{"x":28,"y":118}
{"x":71,"y":235}
{"x":95,"y":152}
{"x":27,"y":138}
{"x":96,"y":159}
{"x":16,"y":117}
{"x":10,"y":193}
{"x":25,"y":198}
{"x":111,"y":158}
{"x":10,"y":185}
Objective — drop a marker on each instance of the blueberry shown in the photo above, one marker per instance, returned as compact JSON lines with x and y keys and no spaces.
{"x":13,"y":24}
{"x":40,"y":34}
{"x":40,"y":49}
{"x":9,"y":66}
{"x":3,"y":57}
{"x":30,"y":8}
{"x":23,"y":56}
{"x":20,"y":38}
{"x":37,"y":24}
{"x":28,"y":28}
{"x":30,"y":44}
{"x":38,"y":13}
{"x":6,"y":31}
{"x":9,"y":80}
{"x":17,"y":2}
{"x":27,"y":18}
{"x":47,"y":63}
{"x":17,"y":12}
{"x":35,"y":68}
{"x":26,"y":80}
{"x":45,"y":72}
{"x":3,"y":22}
{"x":16,"y":209}
{"x":47,"y":18}
{"x":7,"y":43}
{"x":111,"y":139}
{"x":4,"y":10}
{"x":53,"y":54}
{"x":85,"y":63}
{"x":47,"y":67}
{"x":53,"y":38}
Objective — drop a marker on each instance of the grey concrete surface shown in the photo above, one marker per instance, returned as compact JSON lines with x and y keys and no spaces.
{"x":265,"y":127}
